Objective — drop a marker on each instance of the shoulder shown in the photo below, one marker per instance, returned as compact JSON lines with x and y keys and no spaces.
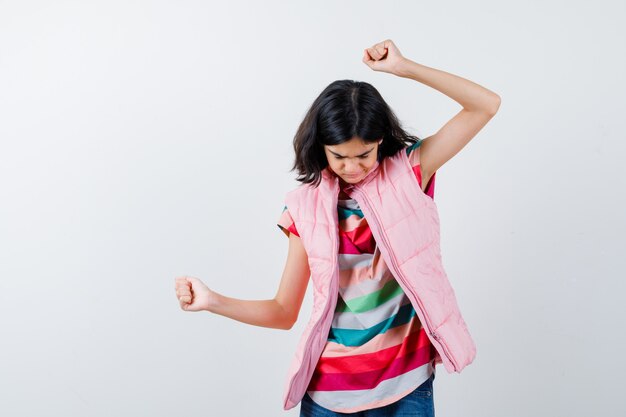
{"x":286,"y":223}
{"x":425,"y":180}
{"x":413,"y":152}
{"x":413,"y":146}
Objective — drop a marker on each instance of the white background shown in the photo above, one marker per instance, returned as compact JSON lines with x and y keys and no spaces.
{"x":143,"y":140}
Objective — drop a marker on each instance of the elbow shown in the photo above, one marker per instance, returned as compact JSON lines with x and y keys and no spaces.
{"x":288,"y":323}
{"x":495,"y":105}
{"x":285,"y":325}
{"x":284,"y":318}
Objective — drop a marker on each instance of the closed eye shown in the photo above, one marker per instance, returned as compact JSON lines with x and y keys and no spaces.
{"x":360,"y":157}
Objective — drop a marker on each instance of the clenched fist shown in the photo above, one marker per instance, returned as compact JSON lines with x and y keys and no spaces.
{"x":192,"y":294}
{"x":384,"y":56}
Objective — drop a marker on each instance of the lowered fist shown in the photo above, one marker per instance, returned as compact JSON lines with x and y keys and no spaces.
{"x":192,"y":294}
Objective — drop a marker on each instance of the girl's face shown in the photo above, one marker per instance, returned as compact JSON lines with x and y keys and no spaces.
{"x":352,"y":160}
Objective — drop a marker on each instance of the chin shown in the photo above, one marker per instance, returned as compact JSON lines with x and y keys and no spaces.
{"x":352,"y":180}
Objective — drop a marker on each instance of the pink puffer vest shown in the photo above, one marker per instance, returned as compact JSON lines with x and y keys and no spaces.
{"x":405,"y":223}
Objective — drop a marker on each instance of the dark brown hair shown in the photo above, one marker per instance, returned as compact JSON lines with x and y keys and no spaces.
{"x":345,"y":109}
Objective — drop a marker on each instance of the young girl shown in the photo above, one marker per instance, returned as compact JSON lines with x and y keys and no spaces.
{"x":384,"y":326}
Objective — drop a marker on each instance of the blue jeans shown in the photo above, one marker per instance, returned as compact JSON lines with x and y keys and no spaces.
{"x":419,"y":403}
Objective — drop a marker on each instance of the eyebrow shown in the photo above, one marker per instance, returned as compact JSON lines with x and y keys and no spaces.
{"x":363,"y":154}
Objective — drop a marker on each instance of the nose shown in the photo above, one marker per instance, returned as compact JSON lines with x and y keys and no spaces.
{"x":351,"y":168}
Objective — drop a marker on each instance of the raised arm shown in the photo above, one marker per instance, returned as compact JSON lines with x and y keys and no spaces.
{"x":479,"y":104}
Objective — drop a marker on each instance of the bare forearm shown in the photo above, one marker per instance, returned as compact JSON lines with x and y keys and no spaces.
{"x":263,"y":313}
{"x":465,"y":92}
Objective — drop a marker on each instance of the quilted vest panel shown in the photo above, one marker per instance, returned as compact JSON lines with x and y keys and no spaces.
{"x":405,"y":223}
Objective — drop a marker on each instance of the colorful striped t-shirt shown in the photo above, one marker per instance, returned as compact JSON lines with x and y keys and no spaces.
{"x":377,"y":351}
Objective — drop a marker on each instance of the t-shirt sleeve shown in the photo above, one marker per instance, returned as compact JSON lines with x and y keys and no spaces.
{"x":286,"y":224}
{"x":413,"y":153}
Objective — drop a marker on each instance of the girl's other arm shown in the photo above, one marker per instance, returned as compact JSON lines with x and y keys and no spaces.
{"x":281,"y":312}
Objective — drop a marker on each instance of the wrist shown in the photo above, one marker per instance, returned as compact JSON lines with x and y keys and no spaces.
{"x":403,"y":68}
{"x":214,"y":300}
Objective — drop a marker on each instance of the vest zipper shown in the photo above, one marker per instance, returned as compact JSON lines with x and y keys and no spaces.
{"x":333,"y":301}
{"x":398,"y":274}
